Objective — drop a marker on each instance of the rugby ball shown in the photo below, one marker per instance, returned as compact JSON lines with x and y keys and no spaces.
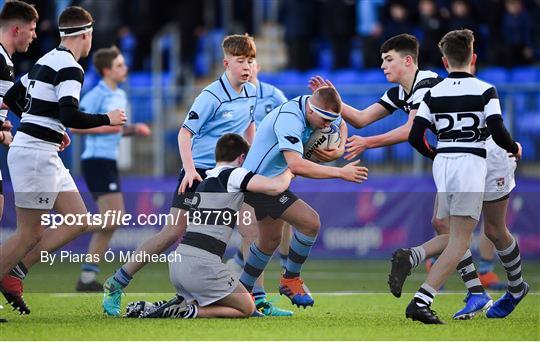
{"x":321,"y":138}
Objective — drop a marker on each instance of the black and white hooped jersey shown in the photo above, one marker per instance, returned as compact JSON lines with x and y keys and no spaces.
{"x":7,"y":78}
{"x":215,"y":208}
{"x":396,"y":97}
{"x":458,"y":107}
{"x":55,"y":78}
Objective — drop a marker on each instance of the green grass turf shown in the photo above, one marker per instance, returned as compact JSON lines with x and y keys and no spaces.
{"x":60,"y":314}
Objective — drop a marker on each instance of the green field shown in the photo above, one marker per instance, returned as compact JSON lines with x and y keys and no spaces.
{"x":369,"y":313}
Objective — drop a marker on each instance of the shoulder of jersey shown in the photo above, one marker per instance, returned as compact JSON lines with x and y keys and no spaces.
{"x":59,"y":59}
{"x":427,"y":79}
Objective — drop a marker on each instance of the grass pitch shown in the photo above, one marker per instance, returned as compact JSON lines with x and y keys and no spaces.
{"x":371,"y":313}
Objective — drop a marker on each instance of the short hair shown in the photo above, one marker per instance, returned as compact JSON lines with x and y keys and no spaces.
{"x":239,"y":45}
{"x":103,"y":58}
{"x":230,"y":146}
{"x":457,"y":47}
{"x":18,"y":10}
{"x":404,"y":44}
{"x":73,"y":16}
{"x":329,"y":98}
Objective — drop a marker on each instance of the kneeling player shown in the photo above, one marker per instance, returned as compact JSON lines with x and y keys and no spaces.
{"x":206,"y":287}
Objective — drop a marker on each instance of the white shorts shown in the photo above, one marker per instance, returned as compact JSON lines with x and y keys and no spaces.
{"x":500,"y":172}
{"x":37,"y":177}
{"x":460,"y":179}
{"x":201,"y":276}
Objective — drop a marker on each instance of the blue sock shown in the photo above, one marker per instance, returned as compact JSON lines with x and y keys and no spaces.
{"x":485,"y":266}
{"x":283,"y":259}
{"x":239,"y":258}
{"x":122,"y":277}
{"x":89,"y":267}
{"x":255,"y":264}
{"x":258,"y":293}
{"x":298,"y":252}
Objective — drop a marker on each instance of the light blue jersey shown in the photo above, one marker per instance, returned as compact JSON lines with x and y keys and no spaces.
{"x":102,"y":99}
{"x":268,"y":98}
{"x":218,"y":110}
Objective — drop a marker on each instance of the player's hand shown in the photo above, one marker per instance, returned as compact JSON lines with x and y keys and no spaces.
{"x":7,"y":126}
{"x":317,"y":82}
{"x":354,"y":146}
{"x":519,"y":152}
{"x":66,"y":141}
{"x":328,"y":154}
{"x":6,"y":137}
{"x":142,"y":129}
{"x":353,"y":172}
{"x":187,"y":181}
{"x":117,"y":117}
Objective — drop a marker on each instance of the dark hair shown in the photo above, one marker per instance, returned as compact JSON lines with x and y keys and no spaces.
{"x":18,"y":10}
{"x":328,"y":98}
{"x":239,"y":45}
{"x":457,"y":47}
{"x":73,"y":16}
{"x":103,"y":58}
{"x":230,"y":146}
{"x":404,"y":44}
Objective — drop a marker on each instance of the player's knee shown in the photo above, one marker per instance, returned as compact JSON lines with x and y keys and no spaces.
{"x":311,"y":225}
{"x":493,"y":233}
{"x":440,"y":226}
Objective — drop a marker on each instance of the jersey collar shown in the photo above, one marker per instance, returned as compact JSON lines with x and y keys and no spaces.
{"x":229,"y":90}
{"x":459,"y":74}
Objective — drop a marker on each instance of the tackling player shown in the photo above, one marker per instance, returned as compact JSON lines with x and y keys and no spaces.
{"x":461,"y":107}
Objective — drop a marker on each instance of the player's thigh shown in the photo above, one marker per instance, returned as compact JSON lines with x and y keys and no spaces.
{"x":240,"y":299}
{"x":112,"y":202}
{"x":248,"y":227}
{"x":441,"y":225}
{"x":303,"y":217}
{"x":494,"y":214}
{"x":175,"y":224}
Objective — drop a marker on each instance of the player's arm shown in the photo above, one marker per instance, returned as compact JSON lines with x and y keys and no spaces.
{"x":201,"y":110}
{"x":357,"y":118}
{"x":249,"y":134}
{"x":14,"y":97}
{"x":417,"y":138}
{"x":358,"y":144}
{"x":68,"y":89}
{"x":417,"y":135}
{"x":270,"y":186}
{"x":303,"y":167}
{"x":98,"y":130}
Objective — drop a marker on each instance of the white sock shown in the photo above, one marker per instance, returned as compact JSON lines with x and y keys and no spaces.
{"x":87,"y":277}
{"x":418,"y":255}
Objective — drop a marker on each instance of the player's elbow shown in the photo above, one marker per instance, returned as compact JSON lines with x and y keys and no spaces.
{"x":297,"y":166}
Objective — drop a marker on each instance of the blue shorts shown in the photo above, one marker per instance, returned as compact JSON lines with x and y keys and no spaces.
{"x":183,"y":201}
{"x":101,"y":176}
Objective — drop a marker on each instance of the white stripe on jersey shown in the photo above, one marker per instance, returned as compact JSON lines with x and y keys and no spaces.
{"x":69,"y":88}
{"x":44,"y":121}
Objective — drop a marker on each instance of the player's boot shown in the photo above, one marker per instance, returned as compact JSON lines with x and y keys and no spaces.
{"x":136,"y":309}
{"x":268,"y":309}
{"x":112,"y":296}
{"x":296,"y":291}
{"x":474,"y":303}
{"x":401,"y":268}
{"x":506,"y":304}
{"x":490,"y":280}
{"x":176,"y":307}
{"x":423,"y":314}
{"x":93,"y":286}
{"x":12,"y":289}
